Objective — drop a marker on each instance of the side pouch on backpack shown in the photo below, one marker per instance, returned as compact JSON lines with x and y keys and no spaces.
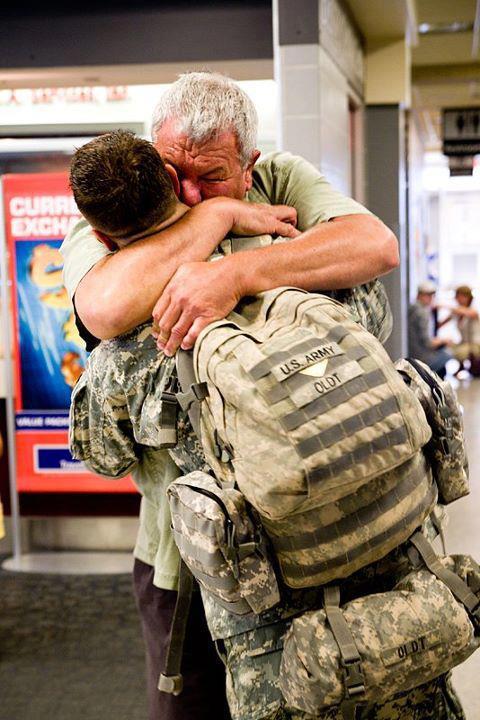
{"x":446,"y":448}
{"x":222,"y":544}
{"x":376,"y":646}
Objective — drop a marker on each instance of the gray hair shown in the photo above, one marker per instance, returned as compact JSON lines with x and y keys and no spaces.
{"x":205,"y":104}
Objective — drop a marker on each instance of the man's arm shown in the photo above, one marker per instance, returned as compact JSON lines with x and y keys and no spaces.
{"x":342,"y":253}
{"x":120,"y":290}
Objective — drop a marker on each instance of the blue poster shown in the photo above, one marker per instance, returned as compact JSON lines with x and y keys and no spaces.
{"x":52,"y":355}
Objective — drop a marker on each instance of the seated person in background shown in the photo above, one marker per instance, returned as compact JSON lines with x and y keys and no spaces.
{"x":422,"y":343}
{"x":468,"y":323}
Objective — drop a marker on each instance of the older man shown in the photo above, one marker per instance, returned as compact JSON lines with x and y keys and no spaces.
{"x":205,"y":127}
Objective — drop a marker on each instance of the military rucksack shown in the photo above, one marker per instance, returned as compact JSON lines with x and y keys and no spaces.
{"x":302,"y":410}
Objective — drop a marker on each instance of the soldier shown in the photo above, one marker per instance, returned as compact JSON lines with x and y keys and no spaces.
{"x":205,"y":127}
{"x":125,"y":191}
{"x":116,"y":428}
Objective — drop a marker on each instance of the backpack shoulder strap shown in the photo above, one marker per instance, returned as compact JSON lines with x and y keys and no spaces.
{"x":171,"y":680}
{"x":458,"y":587}
{"x":191,"y":393}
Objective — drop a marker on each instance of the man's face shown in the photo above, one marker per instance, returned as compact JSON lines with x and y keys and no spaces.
{"x":426,"y":298}
{"x":207,"y":169}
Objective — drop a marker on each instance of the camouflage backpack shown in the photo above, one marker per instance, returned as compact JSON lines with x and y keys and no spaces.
{"x":300,"y":410}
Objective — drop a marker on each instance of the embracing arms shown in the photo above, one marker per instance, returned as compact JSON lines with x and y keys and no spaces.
{"x":345,"y":252}
{"x":340,"y":246}
{"x":120,"y":290}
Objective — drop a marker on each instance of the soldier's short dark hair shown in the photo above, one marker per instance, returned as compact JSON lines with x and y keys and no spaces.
{"x":120,"y":184}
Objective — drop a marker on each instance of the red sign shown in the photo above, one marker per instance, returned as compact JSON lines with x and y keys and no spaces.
{"x":49,"y":355}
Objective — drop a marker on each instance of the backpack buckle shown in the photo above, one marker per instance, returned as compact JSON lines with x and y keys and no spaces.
{"x":195,"y":393}
{"x":445,"y":444}
{"x":168,"y":419}
{"x":172,"y":684}
{"x":353,"y":677}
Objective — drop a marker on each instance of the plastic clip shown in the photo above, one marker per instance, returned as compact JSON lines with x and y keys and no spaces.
{"x":354,"y":679}
{"x":172,"y":684}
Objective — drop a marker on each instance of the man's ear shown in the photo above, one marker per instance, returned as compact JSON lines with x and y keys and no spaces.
{"x":111,"y":245}
{"x":174,"y":178}
{"x":249,"y":170}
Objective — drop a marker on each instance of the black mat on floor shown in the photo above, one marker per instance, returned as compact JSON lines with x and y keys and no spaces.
{"x":70,"y":648}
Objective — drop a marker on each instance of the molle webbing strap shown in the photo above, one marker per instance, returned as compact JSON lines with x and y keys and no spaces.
{"x":265,"y":366}
{"x":360,"y":518}
{"x":227,"y":583}
{"x":297,"y":571}
{"x":350,"y":657}
{"x":192,"y":393}
{"x":454,"y":582}
{"x":336,"y":397}
{"x":168,"y":420}
{"x":211,"y":560}
{"x":193,"y":520}
{"x":171,"y":680}
{"x":349,"y":460}
{"x":347,"y":427}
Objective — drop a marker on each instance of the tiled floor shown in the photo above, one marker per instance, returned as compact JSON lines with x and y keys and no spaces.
{"x":463,"y":534}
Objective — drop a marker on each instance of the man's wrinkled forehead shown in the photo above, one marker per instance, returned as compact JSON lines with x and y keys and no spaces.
{"x":222,"y":146}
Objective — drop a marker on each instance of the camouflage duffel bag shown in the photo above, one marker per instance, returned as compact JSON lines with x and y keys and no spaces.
{"x":382,"y":644}
{"x":446,"y":448}
{"x":221,"y":543}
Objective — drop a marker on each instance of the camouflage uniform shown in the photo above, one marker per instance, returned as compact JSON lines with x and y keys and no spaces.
{"x":116,"y":426}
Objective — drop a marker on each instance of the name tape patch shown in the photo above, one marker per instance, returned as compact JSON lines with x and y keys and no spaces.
{"x":400,"y":653}
{"x":301,"y":361}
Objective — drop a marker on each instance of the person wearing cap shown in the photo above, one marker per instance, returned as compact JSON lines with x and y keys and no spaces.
{"x":423,"y":344}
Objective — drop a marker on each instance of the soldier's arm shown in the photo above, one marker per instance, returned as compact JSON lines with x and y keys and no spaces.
{"x":97,"y":435}
{"x":120,"y":290}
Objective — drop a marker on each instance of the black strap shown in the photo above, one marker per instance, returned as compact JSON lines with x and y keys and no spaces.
{"x":439,"y":398}
{"x":426,"y":377}
{"x":171,"y":680}
{"x":90,"y":340}
{"x":354,"y":679}
{"x":435,"y":387}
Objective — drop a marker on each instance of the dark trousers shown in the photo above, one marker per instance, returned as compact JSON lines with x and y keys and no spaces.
{"x":203,"y":695}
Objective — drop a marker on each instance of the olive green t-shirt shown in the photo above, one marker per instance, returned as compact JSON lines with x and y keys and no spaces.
{"x":279,"y":178}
